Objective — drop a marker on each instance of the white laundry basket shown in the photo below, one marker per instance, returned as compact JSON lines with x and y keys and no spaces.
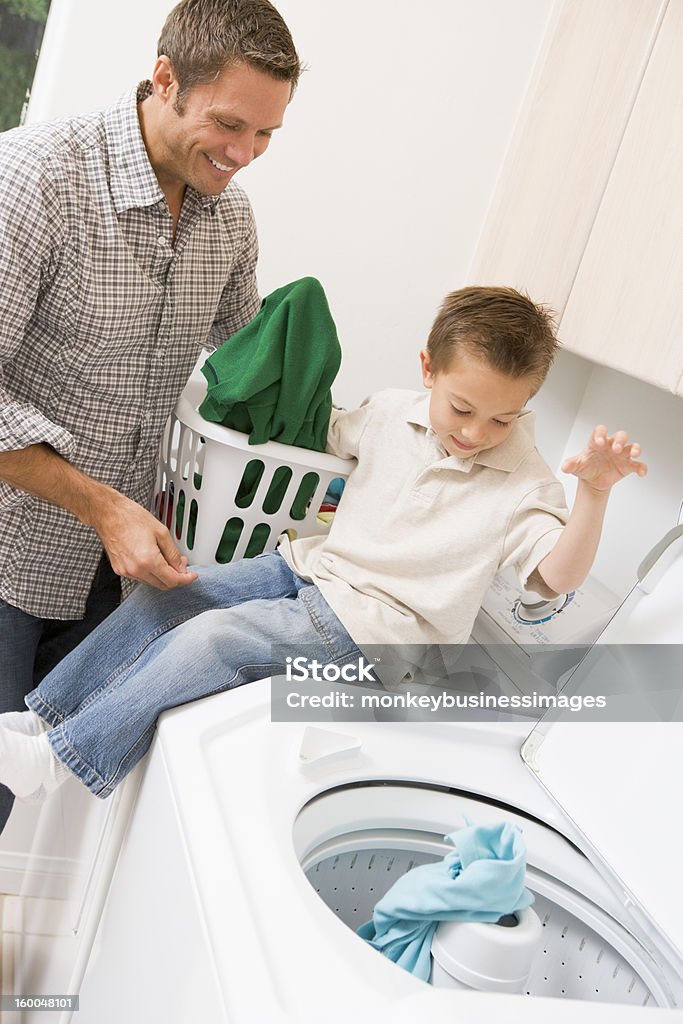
{"x":201,"y":468}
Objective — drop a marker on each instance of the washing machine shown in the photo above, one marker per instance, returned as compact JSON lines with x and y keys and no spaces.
{"x":256,"y":848}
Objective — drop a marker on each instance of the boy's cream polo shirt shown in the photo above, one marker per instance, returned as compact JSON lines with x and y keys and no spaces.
{"x":419,"y":534}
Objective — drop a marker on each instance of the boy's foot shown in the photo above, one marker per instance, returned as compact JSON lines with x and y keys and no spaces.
{"x":28,"y":766}
{"x":26,"y":722}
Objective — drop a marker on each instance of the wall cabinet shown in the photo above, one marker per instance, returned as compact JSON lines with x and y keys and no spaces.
{"x":588,"y":212}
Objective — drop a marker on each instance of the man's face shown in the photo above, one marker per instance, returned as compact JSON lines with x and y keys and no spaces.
{"x":223,"y":126}
{"x":472,"y":406}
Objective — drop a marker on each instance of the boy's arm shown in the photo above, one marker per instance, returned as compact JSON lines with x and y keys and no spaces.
{"x":603,"y":462}
{"x":346,"y":429}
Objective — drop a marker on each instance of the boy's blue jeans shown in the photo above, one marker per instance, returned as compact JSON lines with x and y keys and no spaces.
{"x":161,"y":649}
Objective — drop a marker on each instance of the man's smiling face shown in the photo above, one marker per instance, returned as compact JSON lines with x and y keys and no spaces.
{"x":221,"y":126}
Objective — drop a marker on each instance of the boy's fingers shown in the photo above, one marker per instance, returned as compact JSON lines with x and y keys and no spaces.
{"x":632,"y":453}
{"x":600,"y":435}
{"x":619,"y":441}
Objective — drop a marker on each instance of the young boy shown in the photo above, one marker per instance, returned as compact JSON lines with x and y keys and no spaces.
{"x":448,"y":489}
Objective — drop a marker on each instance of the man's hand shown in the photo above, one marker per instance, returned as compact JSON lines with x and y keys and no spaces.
{"x":605,"y":460}
{"x":138,"y":545}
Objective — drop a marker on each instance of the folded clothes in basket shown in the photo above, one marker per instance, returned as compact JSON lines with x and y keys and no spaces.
{"x":272,"y":379}
{"x":481,"y":880}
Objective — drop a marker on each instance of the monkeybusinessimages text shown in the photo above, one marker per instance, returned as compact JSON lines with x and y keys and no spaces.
{"x":303,"y":670}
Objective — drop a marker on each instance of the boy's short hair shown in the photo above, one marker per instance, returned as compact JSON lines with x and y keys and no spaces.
{"x":513,"y":334}
{"x":202,"y":37}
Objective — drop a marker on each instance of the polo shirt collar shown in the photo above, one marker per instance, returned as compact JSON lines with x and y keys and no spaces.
{"x":132,"y":180}
{"x":507,"y":456}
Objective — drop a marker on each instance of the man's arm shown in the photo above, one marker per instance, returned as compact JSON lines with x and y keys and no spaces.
{"x":138,"y":546}
{"x":603,"y":462}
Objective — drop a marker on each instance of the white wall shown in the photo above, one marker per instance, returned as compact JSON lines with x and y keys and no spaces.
{"x":92,"y":51}
{"x":380,"y":183}
{"x":380,"y":180}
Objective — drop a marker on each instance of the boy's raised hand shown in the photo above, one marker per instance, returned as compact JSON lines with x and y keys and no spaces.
{"x":606,"y":459}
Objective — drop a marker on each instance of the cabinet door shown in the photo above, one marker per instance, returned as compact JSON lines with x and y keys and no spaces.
{"x":563,"y":150}
{"x":626,"y":306}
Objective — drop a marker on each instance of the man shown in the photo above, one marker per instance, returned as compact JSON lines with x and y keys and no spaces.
{"x":124,"y":249}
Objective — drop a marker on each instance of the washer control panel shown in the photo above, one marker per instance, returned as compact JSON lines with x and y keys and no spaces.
{"x":527,"y":618}
{"x":533,"y":613}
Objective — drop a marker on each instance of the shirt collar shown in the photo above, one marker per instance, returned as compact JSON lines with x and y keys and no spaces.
{"x":132,"y":180}
{"x":507,"y":456}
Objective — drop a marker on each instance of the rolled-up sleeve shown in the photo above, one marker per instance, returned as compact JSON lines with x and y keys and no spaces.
{"x":533,"y":531}
{"x":26,"y":251}
{"x":21,"y":425}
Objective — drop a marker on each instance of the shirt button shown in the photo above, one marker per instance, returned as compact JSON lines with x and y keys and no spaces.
{"x":162,"y":241}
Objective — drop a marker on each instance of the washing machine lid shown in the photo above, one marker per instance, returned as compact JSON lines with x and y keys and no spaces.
{"x":619,"y":780}
{"x":619,"y":784}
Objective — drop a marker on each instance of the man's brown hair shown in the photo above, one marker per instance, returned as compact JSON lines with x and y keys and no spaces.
{"x":202,"y":37}
{"x":513,"y":334}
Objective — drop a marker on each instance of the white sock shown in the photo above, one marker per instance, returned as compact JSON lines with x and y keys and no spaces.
{"x":27,"y":722}
{"x":28,"y":766}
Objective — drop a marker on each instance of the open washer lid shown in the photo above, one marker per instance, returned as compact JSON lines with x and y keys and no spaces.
{"x":619,"y":780}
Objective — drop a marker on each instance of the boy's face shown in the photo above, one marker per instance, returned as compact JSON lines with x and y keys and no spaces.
{"x":472,"y":406}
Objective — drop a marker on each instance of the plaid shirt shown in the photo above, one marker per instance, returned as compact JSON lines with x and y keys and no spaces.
{"x":102,"y":318}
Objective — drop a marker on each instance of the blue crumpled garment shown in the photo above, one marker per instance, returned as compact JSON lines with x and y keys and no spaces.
{"x":482,"y":879}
